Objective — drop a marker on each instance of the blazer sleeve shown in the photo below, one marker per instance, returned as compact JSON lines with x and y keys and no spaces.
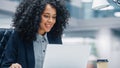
{"x":54,"y":40}
{"x":10,"y":52}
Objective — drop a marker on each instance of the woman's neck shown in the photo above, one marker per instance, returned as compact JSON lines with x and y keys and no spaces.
{"x":41,"y":33}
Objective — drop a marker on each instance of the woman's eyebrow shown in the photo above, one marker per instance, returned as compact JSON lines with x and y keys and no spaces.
{"x":48,"y":13}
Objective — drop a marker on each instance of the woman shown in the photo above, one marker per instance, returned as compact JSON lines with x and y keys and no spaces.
{"x":32,"y":22}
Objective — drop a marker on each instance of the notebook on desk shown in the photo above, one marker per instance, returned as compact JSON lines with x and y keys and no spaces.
{"x":70,"y":56}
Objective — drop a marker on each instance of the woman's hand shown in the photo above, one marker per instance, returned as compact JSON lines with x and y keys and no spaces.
{"x":15,"y":65}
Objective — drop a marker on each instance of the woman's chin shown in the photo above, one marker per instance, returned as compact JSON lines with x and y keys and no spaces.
{"x":48,"y":30}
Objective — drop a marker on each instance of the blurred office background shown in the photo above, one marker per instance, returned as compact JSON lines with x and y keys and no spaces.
{"x":98,"y":28}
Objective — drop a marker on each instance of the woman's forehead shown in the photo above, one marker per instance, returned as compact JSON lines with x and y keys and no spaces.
{"x":49,"y":9}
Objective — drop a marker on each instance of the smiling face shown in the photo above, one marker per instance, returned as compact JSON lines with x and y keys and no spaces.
{"x":48,"y":19}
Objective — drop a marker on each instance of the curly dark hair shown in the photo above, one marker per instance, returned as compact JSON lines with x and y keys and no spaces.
{"x":28,"y":16}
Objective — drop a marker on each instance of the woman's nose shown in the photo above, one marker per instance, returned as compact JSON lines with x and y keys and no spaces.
{"x":50,"y":20}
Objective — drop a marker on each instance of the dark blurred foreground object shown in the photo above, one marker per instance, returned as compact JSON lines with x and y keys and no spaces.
{"x":4,"y":37}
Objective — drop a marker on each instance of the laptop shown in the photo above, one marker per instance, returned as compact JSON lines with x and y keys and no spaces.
{"x":66,"y":56}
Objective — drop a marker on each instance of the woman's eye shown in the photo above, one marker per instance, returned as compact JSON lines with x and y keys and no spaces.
{"x":54,"y":17}
{"x":46,"y":16}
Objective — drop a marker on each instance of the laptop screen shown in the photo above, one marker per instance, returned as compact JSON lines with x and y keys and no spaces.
{"x":70,"y":56}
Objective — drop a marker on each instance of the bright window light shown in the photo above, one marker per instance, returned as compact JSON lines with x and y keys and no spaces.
{"x":117,"y":14}
{"x":108,"y":8}
{"x":87,"y":1}
{"x":98,"y":4}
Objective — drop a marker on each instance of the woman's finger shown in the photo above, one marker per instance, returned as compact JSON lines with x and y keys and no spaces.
{"x":15,"y":65}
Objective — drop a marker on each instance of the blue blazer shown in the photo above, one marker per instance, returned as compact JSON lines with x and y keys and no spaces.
{"x":18,"y":51}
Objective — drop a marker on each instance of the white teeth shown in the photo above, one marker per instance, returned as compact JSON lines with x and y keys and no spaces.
{"x":48,"y":25}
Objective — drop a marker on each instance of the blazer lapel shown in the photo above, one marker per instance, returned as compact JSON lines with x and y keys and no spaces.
{"x":30,"y":55}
